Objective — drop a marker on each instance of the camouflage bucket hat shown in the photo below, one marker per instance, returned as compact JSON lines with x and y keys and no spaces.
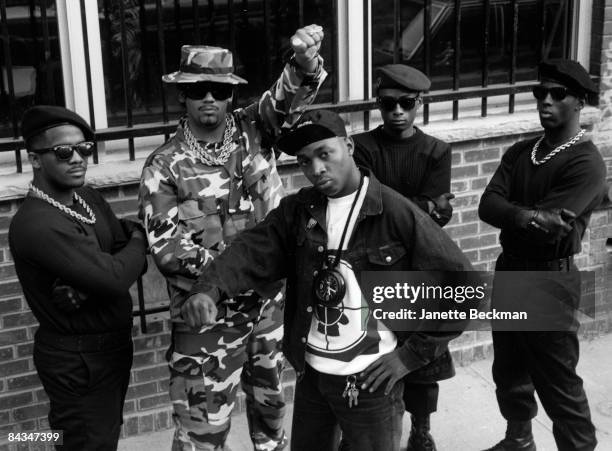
{"x":204,"y":63}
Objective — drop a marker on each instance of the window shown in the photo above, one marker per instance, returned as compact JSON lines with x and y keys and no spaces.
{"x":257,"y":32}
{"x":30,"y":63}
{"x":526,"y":30}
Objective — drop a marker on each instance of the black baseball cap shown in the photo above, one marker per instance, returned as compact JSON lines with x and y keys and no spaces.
{"x":313,"y":126}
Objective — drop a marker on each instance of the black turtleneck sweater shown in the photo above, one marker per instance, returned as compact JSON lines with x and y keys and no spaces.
{"x":418,"y":167}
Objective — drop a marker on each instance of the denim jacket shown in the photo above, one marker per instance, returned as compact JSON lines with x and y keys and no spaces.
{"x":391,"y":234}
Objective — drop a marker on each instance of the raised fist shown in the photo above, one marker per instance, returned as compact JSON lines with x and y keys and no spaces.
{"x":306,"y":43}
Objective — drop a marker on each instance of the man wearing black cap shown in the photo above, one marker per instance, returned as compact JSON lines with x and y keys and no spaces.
{"x":541,"y":197}
{"x":215,"y":177}
{"x":418,"y":166}
{"x":75,"y":261}
{"x":321,"y":239}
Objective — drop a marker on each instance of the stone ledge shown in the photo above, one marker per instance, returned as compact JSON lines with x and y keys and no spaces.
{"x":121,"y":172}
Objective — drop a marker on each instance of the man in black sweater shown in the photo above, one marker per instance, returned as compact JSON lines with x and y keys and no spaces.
{"x":414,"y":164}
{"x":541,"y":197}
{"x":418,"y":166}
{"x":75,"y":261}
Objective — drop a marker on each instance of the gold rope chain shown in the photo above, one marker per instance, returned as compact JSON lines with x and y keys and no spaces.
{"x":69,"y":211}
{"x":204,"y":153}
{"x":554,"y":152}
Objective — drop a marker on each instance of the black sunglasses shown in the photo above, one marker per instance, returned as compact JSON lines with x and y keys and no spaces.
{"x":388,"y":103}
{"x":557,"y":93}
{"x":197,"y":91}
{"x":64,"y":152}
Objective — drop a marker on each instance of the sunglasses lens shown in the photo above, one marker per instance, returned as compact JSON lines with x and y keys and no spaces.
{"x":387,"y":103}
{"x":407,"y":103}
{"x":558,"y":94}
{"x":539,"y":92}
{"x":195,"y":92}
{"x":222,"y":92}
{"x":85,"y":148}
{"x":63,"y":153}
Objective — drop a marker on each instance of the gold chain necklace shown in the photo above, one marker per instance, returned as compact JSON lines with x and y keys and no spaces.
{"x":555,"y":151}
{"x":205,"y":153}
{"x":69,"y":211}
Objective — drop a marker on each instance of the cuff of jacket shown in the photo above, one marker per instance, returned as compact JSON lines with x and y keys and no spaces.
{"x":205,"y":288}
{"x":411,"y":359}
{"x":309,"y":78}
{"x":514,"y":216}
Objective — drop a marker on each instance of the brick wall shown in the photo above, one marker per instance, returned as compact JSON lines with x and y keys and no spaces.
{"x":23,"y":403}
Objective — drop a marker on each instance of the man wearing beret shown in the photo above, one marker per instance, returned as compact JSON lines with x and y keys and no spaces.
{"x":541,"y":197}
{"x":418,"y":166}
{"x":414,"y":164}
{"x":349,"y":369}
{"x":214,"y":178}
{"x":75,"y":261}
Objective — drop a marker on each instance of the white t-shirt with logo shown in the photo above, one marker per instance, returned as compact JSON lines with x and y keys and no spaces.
{"x":337,"y":342}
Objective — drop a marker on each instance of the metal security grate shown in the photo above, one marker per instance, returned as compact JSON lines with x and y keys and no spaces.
{"x":469,"y":48}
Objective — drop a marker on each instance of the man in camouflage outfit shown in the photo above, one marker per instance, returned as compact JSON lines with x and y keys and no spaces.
{"x":215,"y":177}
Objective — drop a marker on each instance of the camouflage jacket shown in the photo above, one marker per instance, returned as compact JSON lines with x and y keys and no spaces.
{"x":191,"y":211}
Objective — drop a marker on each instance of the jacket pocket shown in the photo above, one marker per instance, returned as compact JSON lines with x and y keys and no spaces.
{"x":200,"y":221}
{"x":189,"y":211}
{"x":386,"y":255}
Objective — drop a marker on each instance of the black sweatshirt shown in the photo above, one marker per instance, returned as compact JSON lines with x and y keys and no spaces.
{"x":573,"y":179}
{"x":98,"y":260}
{"x":417,"y":167}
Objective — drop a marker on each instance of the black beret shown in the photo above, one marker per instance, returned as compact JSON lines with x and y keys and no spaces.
{"x":570,"y":74}
{"x":313,"y":126}
{"x":43,"y":117}
{"x":400,"y":76}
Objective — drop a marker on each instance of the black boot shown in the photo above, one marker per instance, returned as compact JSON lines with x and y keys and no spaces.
{"x":420,"y":439}
{"x":518,"y":438}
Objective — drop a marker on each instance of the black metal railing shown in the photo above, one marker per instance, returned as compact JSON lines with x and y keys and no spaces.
{"x":161,"y":26}
{"x":143,"y":311}
{"x":352,"y":106}
{"x":496,"y":18}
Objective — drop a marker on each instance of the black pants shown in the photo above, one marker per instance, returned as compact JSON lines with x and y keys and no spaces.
{"x":545,"y":362}
{"x":86,"y":392}
{"x":374,"y":424}
{"x":421,"y":399}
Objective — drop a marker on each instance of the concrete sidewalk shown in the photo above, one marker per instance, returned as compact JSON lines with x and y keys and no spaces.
{"x":467,"y":417}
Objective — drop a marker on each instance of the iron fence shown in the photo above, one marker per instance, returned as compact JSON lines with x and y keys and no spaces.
{"x":131,"y":25}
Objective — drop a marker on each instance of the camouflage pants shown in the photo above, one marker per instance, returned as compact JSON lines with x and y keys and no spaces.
{"x":243,"y":347}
